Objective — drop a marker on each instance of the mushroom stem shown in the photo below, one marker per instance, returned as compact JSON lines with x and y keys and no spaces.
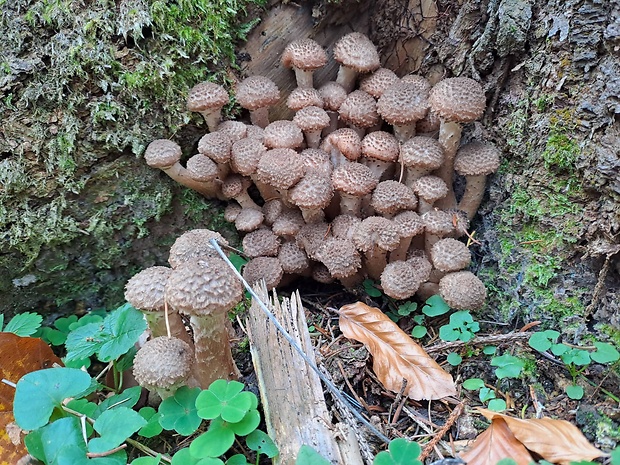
{"x":260,"y":117}
{"x":472,"y":197}
{"x":180,"y":175}
{"x":449,"y":138}
{"x":213,"y":117}
{"x":346,"y":78}
{"x":404,"y":132}
{"x":304,"y":78}
{"x":213,"y":357}
{"x":350,"y":204}
{"x":375,"y":261}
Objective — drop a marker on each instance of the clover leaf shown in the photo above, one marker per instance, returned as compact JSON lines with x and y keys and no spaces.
{"x":224,"y":399}
{"x":604,"y":353}
{"x":435,"y":306}
{"x":400,"y":452}
{"x":260,"y":442}
{"x":178,"y":412}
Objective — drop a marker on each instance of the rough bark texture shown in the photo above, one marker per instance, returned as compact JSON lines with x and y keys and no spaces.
{"x":551,"y":71}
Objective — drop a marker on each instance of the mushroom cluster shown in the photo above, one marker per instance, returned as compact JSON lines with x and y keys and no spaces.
{"x":360,"y":183}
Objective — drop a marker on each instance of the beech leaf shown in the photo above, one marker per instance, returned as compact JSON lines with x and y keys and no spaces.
{"x":395,"y":354}
{"x":556,"y":441}
{"x":495,"y":444}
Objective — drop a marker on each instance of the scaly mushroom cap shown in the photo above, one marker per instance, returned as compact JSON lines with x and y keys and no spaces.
{"x":339,"y":256}
{"x":254,"y":132}
{"x":313,"y":191}
{"x":216,"y":146}
{"x":262,"y":242}
{"x":389,"y":197}
{"x":438,"y":223}
{"x":311,"y":118}
{"x":420,"y":82}
{"x":162,"y":153}
{"x":333,"y":95}
{"x":231,"y":212}
{"x":248,"y":219}
{"x":458,"y":99}
{"x":163,"y":363}
{"x":430,"y":188}
{"x":356,"y":51}
{"x":205,"y":96}
{"x":419,"y":261}
{"x":317,"y":160}
{"x":281,"y":168}
{"x":234,"y":185}
{"x":376,"y":231}
{"x":145,"y":290}
{"x":245,"y":155}
{"x":267,"y":268}
{"x":476,"y":159}
{"x":235,"y":130}
{"x":203,"y":286}
{"x":305,"y":54}
{"x":401,"y":279}
{"x":422,"y":152}
{"x":311,"y":236}
{"x":202,"y":168}
{"x":402,"y":103}
{"x":193,"y":244}
{"x":450,"y":255}
{"x":288,"y":224}
{"x":343,"y":226}
{"x":462,"y":290}
{"x":359,"y":109}
{"x":354,"y":179}
{"x":301,"y":97}
{"x":346,"y":141}
{"x":292,"y":258}
{"x":272,"y":210}
{"x":380,"y":145}
{"x":256,"y":92}
{"x":376,"y":83}
{"x":283,"y":134}
{"x":409,"y":223}
{"x":321,"y":274}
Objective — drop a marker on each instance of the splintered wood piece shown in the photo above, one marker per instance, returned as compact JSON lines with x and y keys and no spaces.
{"x":291,"y":392}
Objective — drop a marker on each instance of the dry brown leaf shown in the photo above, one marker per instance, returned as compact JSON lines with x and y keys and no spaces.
{"x":18,"y":356}
{"x":556,"y":441}
{"x":395,"y":354}
{"x":495,"y":444}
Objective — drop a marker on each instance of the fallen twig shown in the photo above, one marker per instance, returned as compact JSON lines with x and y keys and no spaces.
{"x":456,"y":413}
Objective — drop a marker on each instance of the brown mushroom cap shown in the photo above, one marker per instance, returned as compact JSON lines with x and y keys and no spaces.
{"x":288,"y":224}
{"x":304,"y":56}
{"x":235,"y":130}
{"x":420,"y":155}
{"x":145,"y":290}
{"x":272,"y":210}
{"x":380,"y":145}
{"x":231,"y":212}
{"x":249,"y":219}
{"x":163,"y":364}
{"x":203,"y":286}
{"x":356,"y":54}
{"x":208,"y":99}
{"x":403,"y":103}
{"x":162,"y":153}
{"x":344,"y":141}
{"x":420,"y":82}
{"x":193,"y":244}
{"x":321,"y":274}
{"x":450,"y":255}
{"x":462,"y":290}
{"x":256,"y":92}
{"x":354,"y":179}
{"x":317,"y":160}
{"x":292,"y":258}
{"x":311,"y":118}
{"x":359,"y":109}
{"x":245,"y":155}
{"x":262,"y":242}
{"x":301,"y":97}
{"x":281,"y":168}
{"x":311,"y":236}
{"x":283,"y":134}
{"x":458,"y":99}
{"x":267,"y":268}
{"x":409,"y":223}
{"x":314,"y":191}
{"x":376,"y":231}
{"x":438,"y":222}
{"x":401,"y":279}
{"x":202,"y":168}
{"x":343,"y":226}
{"x":339,"y":256}
{"x":430,"y":188}
{"x":333,"y":95}
{"x":389,"y":197}
{"x":216,"y":146}
{"x":376,"y":83}
{"x":476,"y":159}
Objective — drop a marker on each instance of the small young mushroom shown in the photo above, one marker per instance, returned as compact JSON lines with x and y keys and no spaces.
{"x":356,"y":54}
{"x":267,"y":268}
{"x":217,"y":146}
{"x":380,"y":152}
{"x":257,"y":94}
{"x":390,"y":197}
{"x":249,"y":219}
{"x":201,"y":168}
{"x":312,"y":120}
{"x":206,"y":289}
{"x":462,"y":290}
{"x":304,"y":56}
{"x":341,"y":259}
{"x":401,"y":279}
{"x":402,"y":105}
{"x":302,"y":97}
{"x":429,"y":189}
{"x":419,"y":156}
{"x":450,"y":255}
{"x":375,"y":236}
{"x":193,"y":244}
{"x":236,"y":187}
{"x":283,"y":134}
{"x":343,"y":145}
{"x":262,"y":242}
{"x":359,"y":111}
{"x":163,"y":364}
{"x":208,"y":98}
{"x":333,"y":95}
{"x":410,"y":225}
{"x":312,"y":194}
{"x":280,"y":168}
{"x":475,"y":161}
{"x":377,"y":82}
{"x":353,"y":181}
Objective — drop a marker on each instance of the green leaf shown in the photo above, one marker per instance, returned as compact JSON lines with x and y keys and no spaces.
{"x":486,"y":394}
{"x":260,"y":442}
{"x":435,"y":306}
{"x":370,"y":288}
{"x":577,"y":357}
{"x":615,"y":456}
{"x":559,"y":349}
{"x":152,"y":427}
{"x":497,"y":405}
{"x":125,"y":361}
{"x":1,"y":321}
{"x":419,"y":331}
{"x":473,"y":384}
{"x":489,"y":350}
{"x":114,"y":426}
{"x":147,"y":460}
{"x":308,"y":456}
{"x":124,"y":327}
{"x":574,"y":391}
{"x":543,"y":340}
{"x":128,"y":398}
{"x":184,"y":457}
{"x":249,"y":423}
{"x":224,"y":399}
{"x":508,"y":365}
{"x":400,"y":452}
{"x":418,"y":319}
{"x":39,"y":392}
{"x":507,"y":461}
{"x":84,"y":341}
{"x":215,"y":441}
{"x":237,"y":459}
{"x":52,"y":336}
{"x":179,"y":412}
{"x":237,"y":260}
{"x":454,"y":359}
{"x":24,"y":324}
{"x":605,"y":353}
{"x":407,"y":308}
{"x":55,"y":442}
{"x":449,"y":334}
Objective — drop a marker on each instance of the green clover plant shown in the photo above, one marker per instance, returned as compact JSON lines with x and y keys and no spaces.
{"x":461,"y":327}
{"x":485,"y":394}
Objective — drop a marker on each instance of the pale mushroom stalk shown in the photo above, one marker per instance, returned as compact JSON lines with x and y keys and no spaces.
{"x":472,"y":197}
{"x":449,"y":138}
{"x":375,"y":261}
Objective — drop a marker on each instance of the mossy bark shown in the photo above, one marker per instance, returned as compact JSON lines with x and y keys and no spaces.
{"x":86,"y":93}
